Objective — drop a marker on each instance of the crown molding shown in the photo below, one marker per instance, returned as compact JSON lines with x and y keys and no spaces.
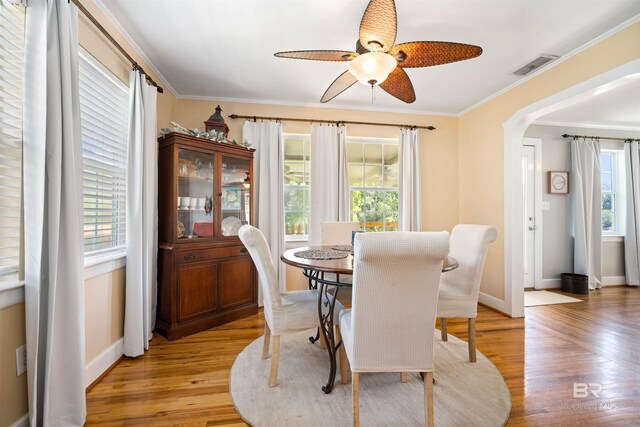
{"x":588,"y":125}
{"x":314,"y":105}
{"x":555,"y":63}
{"x":133,"y":44}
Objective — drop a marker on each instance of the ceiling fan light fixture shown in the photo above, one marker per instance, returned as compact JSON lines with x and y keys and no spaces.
{"x":372,"y":68}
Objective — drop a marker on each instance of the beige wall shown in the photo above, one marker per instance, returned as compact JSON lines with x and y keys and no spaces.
{"x":104,"y":312}
{"x":481,"y":138}
{"x":13,"y":391}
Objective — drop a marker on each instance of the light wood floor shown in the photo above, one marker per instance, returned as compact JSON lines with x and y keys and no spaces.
{"x":186,"y":382}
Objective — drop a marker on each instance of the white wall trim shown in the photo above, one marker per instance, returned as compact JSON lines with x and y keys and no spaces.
{"x":11,"y":294}
{"x":134,"y":45}
{"x":103,"y":361}
{"x":514,"y":129}
{"x":550,"y":284}
{"x":612,"y":239}
{"x":492,"y":302}
{"x":318,"y":105}
{"x":103,"y":264}
{"x":555,"y":63}
{"x":23,"y":421}
{"x":614,"y":280}
{"x":588,"y":125}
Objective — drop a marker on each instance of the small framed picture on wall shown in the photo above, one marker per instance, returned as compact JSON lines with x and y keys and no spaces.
{"x":558,"y":182}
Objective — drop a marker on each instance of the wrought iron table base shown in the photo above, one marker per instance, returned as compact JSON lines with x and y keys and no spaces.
{"x":326,"y":305}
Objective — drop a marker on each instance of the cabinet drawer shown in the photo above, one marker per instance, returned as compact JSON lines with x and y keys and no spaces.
{"x":209,"y":254}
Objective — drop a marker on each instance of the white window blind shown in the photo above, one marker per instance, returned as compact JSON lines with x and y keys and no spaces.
{"x":104,"y":106}
{"x":11,"y":82}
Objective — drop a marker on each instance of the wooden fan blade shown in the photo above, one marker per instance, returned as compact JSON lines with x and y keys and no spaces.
{"x":339,"y":85}
{"x":399,"y":85}
{"x":318,"y":55}
{"x":427,"y":54}
{"x":379,"y":24}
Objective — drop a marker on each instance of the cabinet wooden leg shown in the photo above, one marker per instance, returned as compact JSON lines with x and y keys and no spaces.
{"x":265,"y":343}
{"x":404,"y":377}
{"x":273,"y":377}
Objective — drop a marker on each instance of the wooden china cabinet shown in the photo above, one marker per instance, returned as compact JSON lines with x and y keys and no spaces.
{"x":205,"y":275}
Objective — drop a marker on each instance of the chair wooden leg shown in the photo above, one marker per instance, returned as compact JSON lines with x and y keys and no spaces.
{"x":321,"y":342}
{"x":265,"y":344}
{"x":355,"y":395}
{"x":275,"y":357}
{"x":404,"y":377}
{"x":428,"y":398}
{"x":472,"y":339}
{"x":342,"y":359}
{"x":443,"y":328}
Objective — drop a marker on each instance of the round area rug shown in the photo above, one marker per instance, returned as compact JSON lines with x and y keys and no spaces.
{"x":465,"y":394}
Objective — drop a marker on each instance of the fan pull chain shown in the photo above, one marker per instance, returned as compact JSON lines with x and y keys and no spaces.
{"x":373,"y":96}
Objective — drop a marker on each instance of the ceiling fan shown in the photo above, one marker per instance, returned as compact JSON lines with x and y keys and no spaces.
{"x":377,"y":61}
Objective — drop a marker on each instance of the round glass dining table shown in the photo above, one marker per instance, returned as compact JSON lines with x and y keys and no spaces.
{"x":326,"y":274}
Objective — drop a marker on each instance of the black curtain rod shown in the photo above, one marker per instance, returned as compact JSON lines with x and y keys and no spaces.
{"x":135,"y":65}
{"x":337,"y":122}
{"x":600,"y":137}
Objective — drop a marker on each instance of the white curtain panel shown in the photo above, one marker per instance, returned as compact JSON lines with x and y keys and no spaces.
{"x":586,"y":200}
{"x":54,"y":261}
{"x":328,"y":179}
{"x":142,"y":217}
{"x":409,"y":197}
{"x":268,"y":191}
{"x":632,"y":226}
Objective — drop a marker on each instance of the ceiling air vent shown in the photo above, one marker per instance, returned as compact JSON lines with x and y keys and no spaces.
{"x":535,"y":64}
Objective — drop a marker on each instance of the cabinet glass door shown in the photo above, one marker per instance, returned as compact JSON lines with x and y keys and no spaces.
{"x":235,"y":200}
{"x":195,"y":195}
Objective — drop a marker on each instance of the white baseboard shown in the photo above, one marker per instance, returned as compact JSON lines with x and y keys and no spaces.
{"x":606,"y":281}
{"x":23,"y":421}
{"x":614,"y":280}
{"x":492,"y":302}
{"x":549,"y":284}
{"x":103,"y":361}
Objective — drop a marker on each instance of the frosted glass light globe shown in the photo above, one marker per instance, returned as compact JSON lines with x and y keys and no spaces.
{"x":372,"y":68}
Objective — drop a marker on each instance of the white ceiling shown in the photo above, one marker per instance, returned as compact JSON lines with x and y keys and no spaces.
{"x":224,"y":49}
{"x":616,"y":109}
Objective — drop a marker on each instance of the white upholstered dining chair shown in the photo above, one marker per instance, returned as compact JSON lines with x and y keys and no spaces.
{"x":459,"y":288}
{"x":391,"y":324}
{"x":283,"y":311}
{"x":337,"y":233}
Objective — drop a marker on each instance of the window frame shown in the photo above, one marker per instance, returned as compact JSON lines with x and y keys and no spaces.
{"x":307,"y":187}
{"x":364,"y":188}
{"x":108,"y":255}
{"x":617,"y":190}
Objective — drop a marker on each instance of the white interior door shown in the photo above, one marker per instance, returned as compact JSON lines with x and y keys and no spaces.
{"x":530,"y":229}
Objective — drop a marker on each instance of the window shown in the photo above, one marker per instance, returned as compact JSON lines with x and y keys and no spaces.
{"x":612,"y":174}
{"x":296,"y":186}
{"x":11,"y":67}
{"x":104,"y":106}
{"x":373,"y":181}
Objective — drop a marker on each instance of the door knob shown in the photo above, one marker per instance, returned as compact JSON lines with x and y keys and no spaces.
{"x":532,"y":228}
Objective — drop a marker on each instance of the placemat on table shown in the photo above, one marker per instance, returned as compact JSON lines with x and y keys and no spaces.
{"x":321,"y":254}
